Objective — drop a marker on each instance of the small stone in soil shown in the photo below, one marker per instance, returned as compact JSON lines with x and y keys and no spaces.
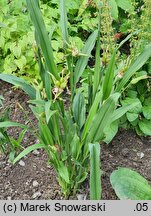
{"x":125,"y":152}
{"x":141,"y":155}
{"x":36,"y":195}
{"x":35,"y":152}
{"x":35,"y":183}
{"x":81,"y":196}
{"x":21,"y":163}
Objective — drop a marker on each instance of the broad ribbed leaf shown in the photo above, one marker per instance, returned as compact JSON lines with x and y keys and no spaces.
{"x":108,"y":79}
{"x":102,"y":118}
{"x":128,"y":184}
{"x":79,"y":109}
{"x":45,"y":134}
{"x":110,"y":131}
{"x":95,"y":173}
{"x":91,"y":115}
{"x":43,"y":38}
{"x":147,"y":111}
{"x":138,"y":63}
{"x":19,"y":82}
{"x":63,"y":21}
{"x":83,"y":60}
{"x":63,"y":172}
{"x":145,"y":126}
{"x":97,"y":69}
{"x":64,"y":29}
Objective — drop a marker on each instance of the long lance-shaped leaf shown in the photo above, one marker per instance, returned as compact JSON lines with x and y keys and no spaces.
{"x":79,"y":109}
{"x":28,"y":150}
{"x":138,"y":63}
{"x":97,"y":70}
{"x":118,"y":113}
{"x":95,"y":173}
{"x":108,"y":79}
{"x":36,"y":17}
{"x":63,"y":21}
{"x":19,"y":82}
{"x":91,"y":115}
{"x":6,"y":124}
{"x":83,"y":59}
{"x":64,"y":29}
{"x":102,"y":119}
{"x":45,"y":134}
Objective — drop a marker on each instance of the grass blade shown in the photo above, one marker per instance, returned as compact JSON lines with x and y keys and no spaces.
{"x":95,"y":173}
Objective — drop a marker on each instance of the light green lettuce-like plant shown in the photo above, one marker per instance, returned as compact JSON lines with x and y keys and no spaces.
{"x":66,"y":132}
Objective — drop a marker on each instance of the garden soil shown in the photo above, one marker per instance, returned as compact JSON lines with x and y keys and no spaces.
{"x":33,"y":178}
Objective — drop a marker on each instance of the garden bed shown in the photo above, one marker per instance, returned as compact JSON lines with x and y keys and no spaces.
{"x":34,"y":178}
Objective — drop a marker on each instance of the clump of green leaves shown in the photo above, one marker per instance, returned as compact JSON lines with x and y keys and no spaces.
{"x":16,"y":40}
{"x":8,"y":145}
{"x":139,"y":117}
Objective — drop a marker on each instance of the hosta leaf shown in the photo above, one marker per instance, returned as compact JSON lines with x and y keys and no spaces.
{"x":129,"y":184}
{"x":145,"y":126}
